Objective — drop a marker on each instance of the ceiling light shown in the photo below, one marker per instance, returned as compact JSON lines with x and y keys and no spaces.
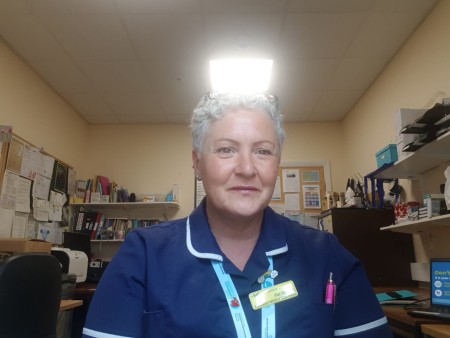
{"x":240,"y":75}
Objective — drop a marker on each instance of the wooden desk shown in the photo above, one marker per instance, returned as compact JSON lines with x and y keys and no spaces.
{"x":437,"y":330}
{"x":67,"y":304}
{"x":402,"y":323}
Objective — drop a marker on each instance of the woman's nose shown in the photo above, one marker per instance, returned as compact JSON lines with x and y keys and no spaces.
{"x":245,"y":164}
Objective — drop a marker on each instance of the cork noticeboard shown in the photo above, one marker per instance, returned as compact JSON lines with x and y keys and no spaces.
{"x":300,"y":187}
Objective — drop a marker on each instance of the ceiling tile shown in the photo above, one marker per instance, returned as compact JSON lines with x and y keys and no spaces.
{"x":243,"y":35}
{"x":62,"y":75}
{"x":356,"y":73}
{"x":381,"y":34}
{"x":15,"y":7}
{"x":115,"y":75}
{"x":158,"y":6}
{"x":160,"y":36}
{"x":29,"y":38}
{"x":341,"y":6}
{"x":90,"y":105}
{"x":324,"y":35}
{"x":248,"y":6}
{"x":311,"y":74}
{"x":91,"y":37}
{"x":141,"y":103}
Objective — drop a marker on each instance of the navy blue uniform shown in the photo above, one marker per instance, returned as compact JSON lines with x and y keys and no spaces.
{"x":161,"y":284}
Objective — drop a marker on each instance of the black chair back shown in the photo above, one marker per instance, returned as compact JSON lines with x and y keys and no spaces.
{"x":30,"y":295}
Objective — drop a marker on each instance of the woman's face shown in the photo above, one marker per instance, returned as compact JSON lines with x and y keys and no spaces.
{"x":239,"y":163}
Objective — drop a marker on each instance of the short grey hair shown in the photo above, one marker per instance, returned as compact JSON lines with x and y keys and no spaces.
{"x":214,"y":105}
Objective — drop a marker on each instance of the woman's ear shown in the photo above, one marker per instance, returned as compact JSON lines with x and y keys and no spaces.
{"x":195,"y":163}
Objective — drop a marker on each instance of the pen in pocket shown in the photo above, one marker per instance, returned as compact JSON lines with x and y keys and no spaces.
{"x":330,"y":291}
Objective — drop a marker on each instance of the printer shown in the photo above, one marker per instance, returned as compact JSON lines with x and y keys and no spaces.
{"x":73,"y":262}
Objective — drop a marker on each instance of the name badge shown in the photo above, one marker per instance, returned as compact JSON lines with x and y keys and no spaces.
{"x":272,"y":295}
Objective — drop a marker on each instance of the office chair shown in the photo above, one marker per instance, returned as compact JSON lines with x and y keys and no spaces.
{"x":30,"y":295}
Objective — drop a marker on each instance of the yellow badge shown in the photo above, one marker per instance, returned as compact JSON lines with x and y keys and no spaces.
{"x":272,"y":295}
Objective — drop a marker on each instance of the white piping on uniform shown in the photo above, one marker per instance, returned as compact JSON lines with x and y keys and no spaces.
{"x":361,"y":328}
{"x":98,"y":334}
{"x":194,"y":252}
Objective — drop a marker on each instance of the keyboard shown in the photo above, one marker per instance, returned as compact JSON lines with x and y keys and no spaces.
{"x":430,"y":314}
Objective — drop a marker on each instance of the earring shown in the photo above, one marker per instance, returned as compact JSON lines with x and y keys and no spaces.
{"x":198,"y":178}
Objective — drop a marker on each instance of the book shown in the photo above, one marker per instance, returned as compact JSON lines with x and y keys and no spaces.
{"x":89,"y":221}
{"x":94,"y":229}
{"x":103,"y":184}
{"x":80,"y":190}
{"x":80,"y":219}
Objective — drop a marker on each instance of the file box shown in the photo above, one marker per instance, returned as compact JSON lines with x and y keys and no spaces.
{"x":387,"y":155}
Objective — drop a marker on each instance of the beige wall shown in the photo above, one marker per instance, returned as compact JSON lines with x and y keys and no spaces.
{"x":145,"y":158}
{"x":418,"y":77}
{"x":318,"y":142}
{"x":39,"y":115}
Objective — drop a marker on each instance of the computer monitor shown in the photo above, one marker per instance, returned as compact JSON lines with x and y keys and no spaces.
{"x":78,"y":241}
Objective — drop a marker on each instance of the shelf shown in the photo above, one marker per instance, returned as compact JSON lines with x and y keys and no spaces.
{"x":128,"y":205}
{"x":425,"y":158}
{"x":421,"y":226}
{"x":107,"y":240}
{"x":133,"y":210}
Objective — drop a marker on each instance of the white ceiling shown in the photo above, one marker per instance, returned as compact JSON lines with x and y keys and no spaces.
{"x":146,"y":61}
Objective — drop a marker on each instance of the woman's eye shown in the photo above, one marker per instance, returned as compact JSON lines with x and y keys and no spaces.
{"x":264,"y":152}
{"x":224,"y":150}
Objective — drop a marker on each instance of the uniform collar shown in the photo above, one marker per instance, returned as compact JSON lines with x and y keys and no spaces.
{"x":202,"y":244}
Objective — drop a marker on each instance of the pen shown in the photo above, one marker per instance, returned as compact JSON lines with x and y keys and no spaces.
{"x":330,"y":291}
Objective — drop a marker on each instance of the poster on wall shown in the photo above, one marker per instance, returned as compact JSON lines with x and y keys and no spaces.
{"x":311,"y":196}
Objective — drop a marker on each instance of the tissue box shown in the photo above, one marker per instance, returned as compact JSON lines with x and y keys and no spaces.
{"x":387,"y":155}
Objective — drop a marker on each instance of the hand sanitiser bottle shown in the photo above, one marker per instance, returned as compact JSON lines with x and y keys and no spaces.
{"x":330,"y":291}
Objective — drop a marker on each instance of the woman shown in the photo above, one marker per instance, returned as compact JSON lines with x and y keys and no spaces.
{"x":235,"y":268}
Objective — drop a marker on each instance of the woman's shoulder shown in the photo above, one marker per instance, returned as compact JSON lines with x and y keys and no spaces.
{"x":297,"y":232}
{"x":159,"y":231}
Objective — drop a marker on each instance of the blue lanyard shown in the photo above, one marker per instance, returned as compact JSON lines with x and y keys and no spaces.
{"x":234,"y":303}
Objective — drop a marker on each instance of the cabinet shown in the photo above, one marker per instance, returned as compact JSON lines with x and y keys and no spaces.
{"x":411,"y":167}
{"x":386,"y":255}
{"x":105,"y":249}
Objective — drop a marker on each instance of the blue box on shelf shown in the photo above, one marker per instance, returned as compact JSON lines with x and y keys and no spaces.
{"x":387,"y":155}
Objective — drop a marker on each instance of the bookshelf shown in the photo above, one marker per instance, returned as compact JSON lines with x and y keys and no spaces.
{"x":105,"y":249}
{"x":411,"y":167}
{"x":131,"y":210}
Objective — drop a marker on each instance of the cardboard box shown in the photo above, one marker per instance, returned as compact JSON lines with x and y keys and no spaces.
{"x":387,"y":155}
{"x":16,"y":245}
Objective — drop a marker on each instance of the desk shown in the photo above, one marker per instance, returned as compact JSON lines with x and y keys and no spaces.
{"x":67,"y":304}
{"x":437,"y":330}
{"x":402,"y":324}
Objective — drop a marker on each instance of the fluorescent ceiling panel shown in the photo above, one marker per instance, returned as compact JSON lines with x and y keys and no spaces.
{"x":240,"y":75}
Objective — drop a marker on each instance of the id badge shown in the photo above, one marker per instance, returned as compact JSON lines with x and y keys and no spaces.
{"x":272,"y":295}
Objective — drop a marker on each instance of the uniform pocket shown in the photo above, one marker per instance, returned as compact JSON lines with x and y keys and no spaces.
{"x":322,"y":317}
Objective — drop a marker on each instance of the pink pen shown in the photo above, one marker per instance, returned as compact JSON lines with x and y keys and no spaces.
{"x":330,"y":291}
